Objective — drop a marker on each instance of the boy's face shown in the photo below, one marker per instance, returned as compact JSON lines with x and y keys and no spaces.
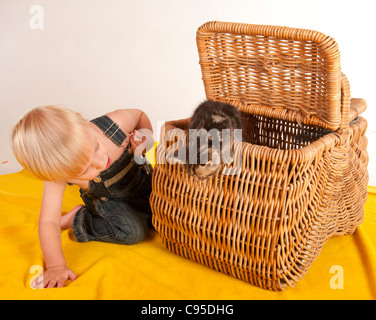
{"x":99,"y":158}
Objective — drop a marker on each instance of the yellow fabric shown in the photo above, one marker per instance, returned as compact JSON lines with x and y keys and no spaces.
{"x":149,"y":271}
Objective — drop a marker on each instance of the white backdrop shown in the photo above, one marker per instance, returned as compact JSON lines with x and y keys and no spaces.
{"x":94,"y":56}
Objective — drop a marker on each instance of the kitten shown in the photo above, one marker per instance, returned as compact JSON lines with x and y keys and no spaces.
{"x":211,"y":137}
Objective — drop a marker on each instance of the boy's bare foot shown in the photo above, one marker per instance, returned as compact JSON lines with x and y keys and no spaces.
{"x":67,"y":219}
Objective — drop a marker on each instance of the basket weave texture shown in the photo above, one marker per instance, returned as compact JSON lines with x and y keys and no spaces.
{"x":301,"y":173}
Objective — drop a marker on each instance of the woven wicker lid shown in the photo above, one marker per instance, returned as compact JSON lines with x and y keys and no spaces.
{"x":281,"y":72}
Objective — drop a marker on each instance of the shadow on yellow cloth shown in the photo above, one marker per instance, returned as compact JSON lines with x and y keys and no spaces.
{"x":149,"y":271}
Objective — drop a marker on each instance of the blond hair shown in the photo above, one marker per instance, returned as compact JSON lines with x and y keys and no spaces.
{"x":50,"y":142}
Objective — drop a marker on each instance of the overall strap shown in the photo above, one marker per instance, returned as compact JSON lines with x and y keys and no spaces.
{"x":110,"y":128}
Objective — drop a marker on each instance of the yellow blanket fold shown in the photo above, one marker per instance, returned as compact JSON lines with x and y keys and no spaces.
{"x":345,"y":269}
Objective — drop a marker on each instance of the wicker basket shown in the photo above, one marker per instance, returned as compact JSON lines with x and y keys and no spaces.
{"x":303,"y":158}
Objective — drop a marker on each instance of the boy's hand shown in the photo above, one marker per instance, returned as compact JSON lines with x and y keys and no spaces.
{"x":55,"y":277}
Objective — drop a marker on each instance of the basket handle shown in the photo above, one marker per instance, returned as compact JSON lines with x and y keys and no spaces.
{"x":351,"y":108}
{"x":345,"y":102}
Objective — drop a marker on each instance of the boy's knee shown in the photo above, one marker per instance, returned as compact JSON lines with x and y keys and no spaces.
{"x":134,"y":232}
{"x":136,"y":235}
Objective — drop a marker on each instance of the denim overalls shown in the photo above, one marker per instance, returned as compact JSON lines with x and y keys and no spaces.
{"x":117,"y":206}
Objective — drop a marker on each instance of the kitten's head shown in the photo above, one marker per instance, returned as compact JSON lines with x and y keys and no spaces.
{"x":205,"y":137}
{"x":203,"y":160}
{"x":203,"y":171}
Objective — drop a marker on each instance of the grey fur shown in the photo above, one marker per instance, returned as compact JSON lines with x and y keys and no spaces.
{"x":205,"y":146}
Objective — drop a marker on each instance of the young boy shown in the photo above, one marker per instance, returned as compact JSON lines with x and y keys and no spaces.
{"x":104,"y":157}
